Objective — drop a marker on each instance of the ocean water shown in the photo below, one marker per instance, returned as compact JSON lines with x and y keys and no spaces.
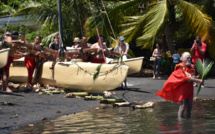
{"x":162,"y":119}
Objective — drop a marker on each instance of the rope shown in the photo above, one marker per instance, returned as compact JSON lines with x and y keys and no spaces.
{"x":103,"y":21}
{"x":108,"y":19}
{"x":101,"y":73}
{"x":92,"y":14}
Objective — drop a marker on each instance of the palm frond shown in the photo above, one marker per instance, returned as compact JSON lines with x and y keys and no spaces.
{"x":148,"y":25}
{"x":203,"y":68}
{"x":49,"y":38}
{"x":197,"y":21}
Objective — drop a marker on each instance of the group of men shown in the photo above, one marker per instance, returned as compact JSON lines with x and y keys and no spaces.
{"x":95,"y":53}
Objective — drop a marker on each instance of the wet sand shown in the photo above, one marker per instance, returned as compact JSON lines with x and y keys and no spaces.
{"x":29,"y":108}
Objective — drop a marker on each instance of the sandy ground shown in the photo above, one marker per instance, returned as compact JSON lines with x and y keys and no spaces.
{"x":27,"y":108}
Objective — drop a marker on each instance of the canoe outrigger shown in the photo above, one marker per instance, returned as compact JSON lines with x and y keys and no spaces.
{"x":3,"y":57}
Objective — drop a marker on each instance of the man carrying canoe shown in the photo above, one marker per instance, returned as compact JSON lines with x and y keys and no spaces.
{"x":101,"y":53}
{"x":84,"y":45}
{"x":13,"y":47}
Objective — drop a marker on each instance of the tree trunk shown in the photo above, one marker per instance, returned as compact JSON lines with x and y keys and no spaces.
{"x":169,"y":32}
{"x":169,"y":37}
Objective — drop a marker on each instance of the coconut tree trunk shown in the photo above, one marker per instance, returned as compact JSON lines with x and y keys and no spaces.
{"x":169,"y":31}
{"x":169,"y":37}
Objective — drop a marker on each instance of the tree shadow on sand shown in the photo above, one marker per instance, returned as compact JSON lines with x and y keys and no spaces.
{"x":13,"y":94}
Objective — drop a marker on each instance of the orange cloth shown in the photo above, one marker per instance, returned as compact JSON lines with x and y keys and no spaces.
{"x":177,"y":87}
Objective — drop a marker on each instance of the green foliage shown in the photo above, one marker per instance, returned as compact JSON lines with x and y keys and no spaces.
{"x":203,"y":68}
{"x":96,"y":74}
{"x":31,"y":36}
{"x":20,"y":28}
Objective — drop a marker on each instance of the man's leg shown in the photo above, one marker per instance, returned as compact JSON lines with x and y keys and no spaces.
{"x":159,"y":65}
{"x":181,"y":109}
{"x":189,"y":108}
{"x":155,"y":62}
{"x":5,"y":82}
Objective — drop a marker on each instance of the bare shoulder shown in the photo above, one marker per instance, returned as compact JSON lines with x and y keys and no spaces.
{"x":95,"y":45}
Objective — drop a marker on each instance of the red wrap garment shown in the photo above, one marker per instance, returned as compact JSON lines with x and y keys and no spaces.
{"x":96,"y":60}
{"x":30,"y":64}
{"x":177,"y":87}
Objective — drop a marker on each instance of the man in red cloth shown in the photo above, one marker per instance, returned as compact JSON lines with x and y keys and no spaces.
{"x":30,"y":61}
{"x":179,"y":86}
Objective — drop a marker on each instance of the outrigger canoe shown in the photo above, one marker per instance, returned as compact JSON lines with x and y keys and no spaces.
{"x":4,"y":57}
{"x":74,"y":75}
{"x":134,"y":64}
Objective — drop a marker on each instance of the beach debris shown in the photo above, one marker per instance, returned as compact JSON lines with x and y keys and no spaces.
{"x":16,"y":86}
{"x":107,"y":94}
{"x":7,"y":103}
{"x":48,"y":90}
{"x":122,"y":104}
{"x":14,"y":116}
{"x":114,"y":100}
{"x":44,"y":118}
{"x":146,"y":105}
{"x":30,"y":125}
{"x":75,"y":94}
{"x":58,"y":112}
{"x":83,"y":94}
{"x":93,"y":97}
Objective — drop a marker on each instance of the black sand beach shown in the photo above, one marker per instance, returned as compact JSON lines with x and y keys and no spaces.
{"x":19,"y":108}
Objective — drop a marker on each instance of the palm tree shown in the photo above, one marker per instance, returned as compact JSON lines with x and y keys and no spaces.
{"x":74,"y":15}
{"x":160,"y":17}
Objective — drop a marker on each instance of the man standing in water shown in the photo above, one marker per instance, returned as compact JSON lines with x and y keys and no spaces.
{"x":179,"y":86}
{"x":102,"y":52}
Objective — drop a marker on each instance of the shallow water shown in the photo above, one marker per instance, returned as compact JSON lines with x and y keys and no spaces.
{"x":160,"y":119}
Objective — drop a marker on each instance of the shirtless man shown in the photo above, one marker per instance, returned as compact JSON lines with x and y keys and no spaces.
{"x":14,"y":36}
{"x":98,"y":57}
{"x":84,"y":45}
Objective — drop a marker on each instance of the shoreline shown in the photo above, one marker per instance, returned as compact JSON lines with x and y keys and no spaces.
{"x":30,"y":108}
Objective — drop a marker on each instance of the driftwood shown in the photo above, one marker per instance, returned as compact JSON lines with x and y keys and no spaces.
{"x":122,"y":104}
{"x":146,"y":105}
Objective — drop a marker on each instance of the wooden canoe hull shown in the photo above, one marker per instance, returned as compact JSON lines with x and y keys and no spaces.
{"x":70,"y":76}
{"x":134,"y":64}
{"x":3,"y":57}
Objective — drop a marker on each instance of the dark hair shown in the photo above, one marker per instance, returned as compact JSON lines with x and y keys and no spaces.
{"x":21,"y":34}
{"x":39,"y":37}
{"x":15,"y":33}
{"x":175,"y":48}
{"x":56,"y":35}
{"x":83,"y":36}
{"x":100,"y":35}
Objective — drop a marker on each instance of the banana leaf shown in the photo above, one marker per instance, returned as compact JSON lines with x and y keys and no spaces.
{"x":203,"y":68}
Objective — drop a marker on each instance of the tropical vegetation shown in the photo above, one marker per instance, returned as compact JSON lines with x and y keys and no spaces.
{"x":142,"y":22}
